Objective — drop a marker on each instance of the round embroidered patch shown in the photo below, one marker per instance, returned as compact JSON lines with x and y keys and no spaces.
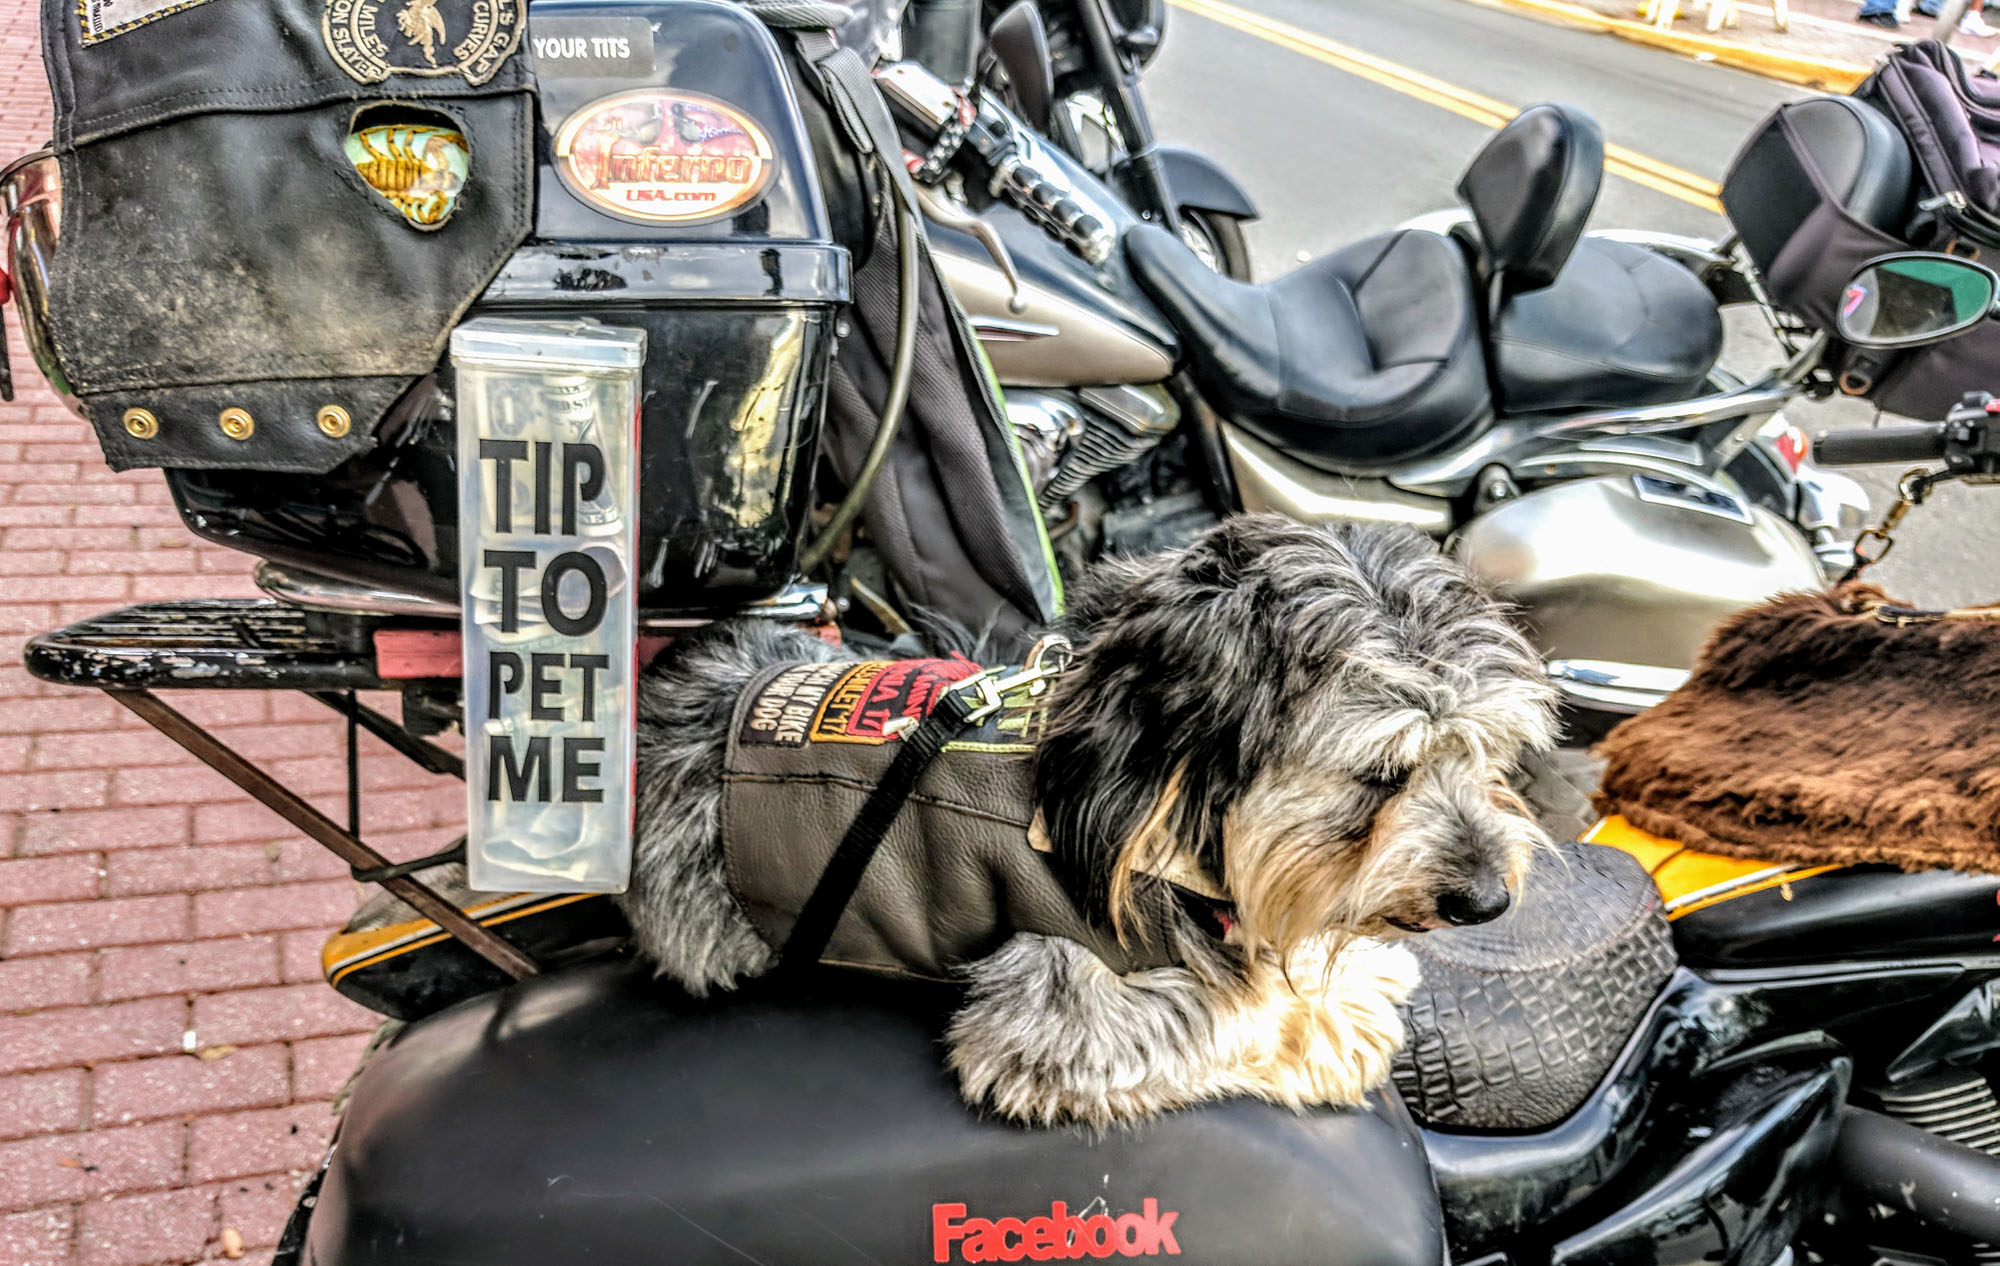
{"x":374,"y":39}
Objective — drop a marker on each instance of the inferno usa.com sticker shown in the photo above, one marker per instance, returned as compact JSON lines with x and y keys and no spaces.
{"x":663,"y":157}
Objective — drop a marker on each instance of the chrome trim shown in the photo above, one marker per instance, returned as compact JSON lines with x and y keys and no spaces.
{"x":1830,"y":500}
{"x":31,"y":202}
{"x":1146,"y":412}
{"x":1450,"y":474}
{"x":1728,"y":885}
{"x":1601,"y":575}
{"x":797,"y":601}
{"x":993,"y":329}
{"x":313,"y":592}
{"x":1650,"y":490}
{"x":1761,"y":398}
{"x":1269,"y":480}
{"x":1587,"y":459}
{"x":1611,"y":687}
{"x":327,"y":593}
{"x":1095,"y":346}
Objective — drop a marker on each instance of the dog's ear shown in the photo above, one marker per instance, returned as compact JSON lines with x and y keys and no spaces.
{"x":1146,"y":742}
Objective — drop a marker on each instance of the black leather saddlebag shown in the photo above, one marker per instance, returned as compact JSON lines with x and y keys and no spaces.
{"x":219,"y":249}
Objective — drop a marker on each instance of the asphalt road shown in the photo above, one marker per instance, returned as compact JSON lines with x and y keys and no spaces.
{"x":1368,"y":119}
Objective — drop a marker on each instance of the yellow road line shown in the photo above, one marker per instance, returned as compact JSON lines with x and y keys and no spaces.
{"x":1638,"y":168}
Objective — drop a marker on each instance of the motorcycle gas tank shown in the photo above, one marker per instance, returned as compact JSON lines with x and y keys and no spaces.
{"x":1072,"y":323}
{"x":595,"y":1115}
{"x":1624,"y":575}
{"x":1732,"y":912}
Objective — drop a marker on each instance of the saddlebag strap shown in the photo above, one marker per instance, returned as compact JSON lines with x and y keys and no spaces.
{"x":842,"y":876}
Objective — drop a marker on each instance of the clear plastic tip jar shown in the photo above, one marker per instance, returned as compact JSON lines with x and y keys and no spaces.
{"x":548,"y":511}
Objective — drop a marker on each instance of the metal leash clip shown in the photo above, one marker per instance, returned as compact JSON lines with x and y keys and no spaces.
{"x":1046,"y":661}
{"x":1911,"y":490}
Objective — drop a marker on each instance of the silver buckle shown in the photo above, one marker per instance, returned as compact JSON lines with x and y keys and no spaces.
{"x":1046,"y":661}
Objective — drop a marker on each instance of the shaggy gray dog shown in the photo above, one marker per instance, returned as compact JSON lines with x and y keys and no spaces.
{"x":1319,"y":720}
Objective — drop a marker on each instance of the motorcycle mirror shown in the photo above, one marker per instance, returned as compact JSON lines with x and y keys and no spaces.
{"x":1913,"y":298}
{"x":1020,"y":43}
{"x":1140,"y":41}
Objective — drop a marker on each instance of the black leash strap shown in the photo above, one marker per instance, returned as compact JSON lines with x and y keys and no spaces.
{"x":842,"y":876}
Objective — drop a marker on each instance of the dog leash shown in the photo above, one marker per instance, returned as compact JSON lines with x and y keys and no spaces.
{"x":962,"y":705}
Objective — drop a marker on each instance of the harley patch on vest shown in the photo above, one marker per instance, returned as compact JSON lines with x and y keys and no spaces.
{"x":877,"y":701}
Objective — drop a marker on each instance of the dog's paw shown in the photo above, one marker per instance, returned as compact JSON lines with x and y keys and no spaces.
{"x":1325,"y":1032}
{"x":1051,"y":1036}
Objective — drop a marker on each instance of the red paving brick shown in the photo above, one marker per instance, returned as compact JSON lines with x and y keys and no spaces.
{"x":45,"y":833}
{"x":142,"y":897}
{"x":288,"y":1012}
{"x":42,"y":1103}
{"x":274,"y":1140}
{"x":275,"y":909}
{"x":188,"y":1085}
{"x":74,"y":1036}
{"x":74,"y":925}
{"x":256,"y":1208}
{"x":236,"y":962}
{"x":40,"y":1238}
{"x":34,"y":879}
{"x":68,"y":1167}
{"x":145,"y":1230}
{"x":29,"y":984}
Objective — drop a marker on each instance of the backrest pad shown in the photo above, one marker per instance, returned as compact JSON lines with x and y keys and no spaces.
{"x":1531,"y":189}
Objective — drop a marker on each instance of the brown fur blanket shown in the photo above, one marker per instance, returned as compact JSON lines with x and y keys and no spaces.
{"x":1808,"y":734}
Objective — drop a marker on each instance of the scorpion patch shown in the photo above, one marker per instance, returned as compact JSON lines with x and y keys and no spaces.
{"x":419,"y":169}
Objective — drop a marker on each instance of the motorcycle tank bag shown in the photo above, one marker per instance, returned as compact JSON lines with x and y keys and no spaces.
{"x":642,"y":163}
{"x":1826,"y":184}
{"x":596,"y":1115}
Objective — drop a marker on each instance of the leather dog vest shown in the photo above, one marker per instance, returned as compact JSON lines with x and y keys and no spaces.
{"x":956,"y":874}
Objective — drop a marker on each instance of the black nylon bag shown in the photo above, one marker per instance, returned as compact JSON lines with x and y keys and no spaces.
{"x":1953,"y":128}
{"x":951,"y":511}
{"x":219,"y":250}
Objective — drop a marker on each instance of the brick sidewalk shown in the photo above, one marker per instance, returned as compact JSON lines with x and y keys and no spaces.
{"x":166,"y":1052}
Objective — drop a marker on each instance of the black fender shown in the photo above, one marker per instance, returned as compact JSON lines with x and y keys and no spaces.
{"x":1198,"y":181}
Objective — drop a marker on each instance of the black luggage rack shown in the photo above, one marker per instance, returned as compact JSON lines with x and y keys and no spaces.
{"x":258,"y":644}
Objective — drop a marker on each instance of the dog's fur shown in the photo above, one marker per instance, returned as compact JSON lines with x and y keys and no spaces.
{"x":1321,"y":717}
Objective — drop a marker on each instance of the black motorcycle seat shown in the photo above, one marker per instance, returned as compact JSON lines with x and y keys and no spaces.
{"x":1361,"y":359}
{"x":596,"y":1115}
{"x":1620,"y":326}
{"x":1518,"y":1020}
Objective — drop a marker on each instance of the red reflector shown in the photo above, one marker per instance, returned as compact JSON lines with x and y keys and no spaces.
{"x":1792,"y":446}
{"x":6,"y":287}
{"x":429,"y":654}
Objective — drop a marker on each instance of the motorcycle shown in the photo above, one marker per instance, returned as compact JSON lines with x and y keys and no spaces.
{"x":1515,"y":404}
{"x":544,"y":1099}
{"x":1660,"y":1056}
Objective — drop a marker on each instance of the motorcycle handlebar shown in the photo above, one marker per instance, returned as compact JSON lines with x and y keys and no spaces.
{"x":1904,"y":442}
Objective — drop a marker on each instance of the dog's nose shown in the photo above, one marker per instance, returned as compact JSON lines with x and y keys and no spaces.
{"x":1483,"y":900}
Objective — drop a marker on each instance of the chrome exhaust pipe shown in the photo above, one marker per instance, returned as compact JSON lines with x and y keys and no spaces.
{"x":1948,"y":1185}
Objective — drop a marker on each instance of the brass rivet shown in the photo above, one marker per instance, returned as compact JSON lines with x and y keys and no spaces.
{"x":334,"y":422}
{"x":140,"y":424}
{"x":237,"y":424}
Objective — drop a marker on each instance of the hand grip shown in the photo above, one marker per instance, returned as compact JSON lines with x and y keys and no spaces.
{"x":1861,"y":446}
